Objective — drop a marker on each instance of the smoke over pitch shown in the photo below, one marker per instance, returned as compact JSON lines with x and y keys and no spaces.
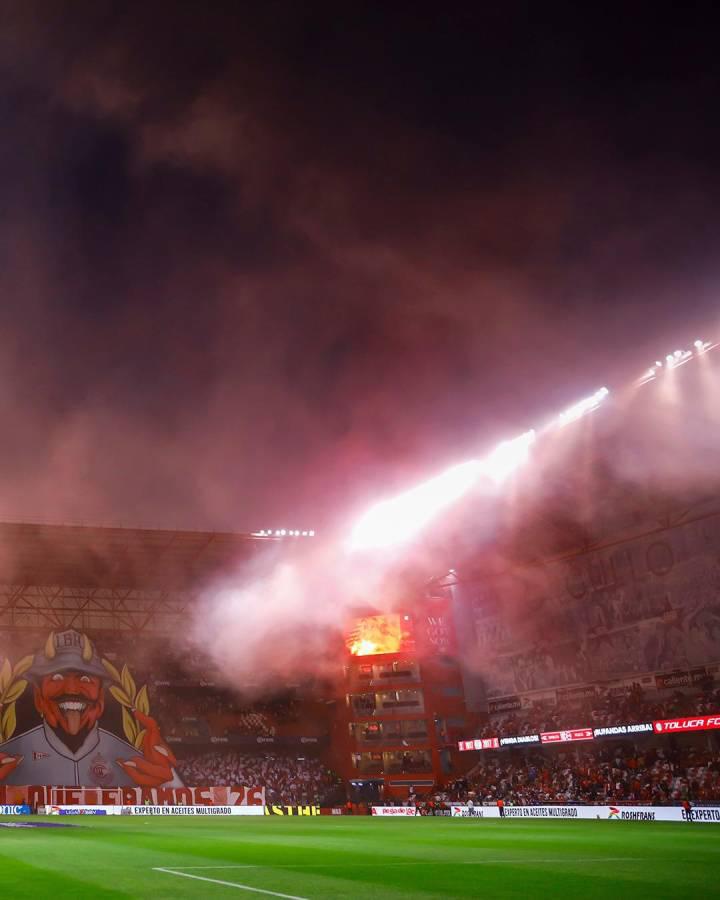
{"x":285,"y":617}
{"x":263,"y":266}
{"x":244,"y":282}
{"x":618,"y":471}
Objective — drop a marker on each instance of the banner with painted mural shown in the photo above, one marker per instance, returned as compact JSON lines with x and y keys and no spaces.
{"x":434,"y":629}
{"x":69,"y":716}
{"x":37,"y":796}
{"x":646,"y":604}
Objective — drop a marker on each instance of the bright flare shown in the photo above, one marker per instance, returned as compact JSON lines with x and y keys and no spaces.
{"x":396,"y":521}
{"x":508,"y":456}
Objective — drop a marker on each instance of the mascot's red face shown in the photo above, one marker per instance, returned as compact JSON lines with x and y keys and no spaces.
{"x":72,"y":701}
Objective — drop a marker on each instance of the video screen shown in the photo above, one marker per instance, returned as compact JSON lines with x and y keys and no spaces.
{"x":372,"y":635}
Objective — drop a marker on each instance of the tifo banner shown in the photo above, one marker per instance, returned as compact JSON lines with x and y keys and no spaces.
{"x":394,"y":811}
{"x":615,"y":813}
{"x":696,"y":723}
{"x":292,"y":810}
{"x":154,"y":810}
{"x":46,"y":795}
{"x":671,"y":576}
{"x":65,"y":694}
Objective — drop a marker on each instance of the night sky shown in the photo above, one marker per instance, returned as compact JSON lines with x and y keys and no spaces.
{"x":262,"y":263}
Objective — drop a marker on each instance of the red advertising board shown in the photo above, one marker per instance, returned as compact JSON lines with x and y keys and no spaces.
{"x":562,"y":737}
{"x":491,"y":743}
{"x":689,"y":723}
{"x":663,"y":726}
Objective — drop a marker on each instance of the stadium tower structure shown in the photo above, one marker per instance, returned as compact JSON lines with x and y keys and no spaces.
{"x":403,"y":707}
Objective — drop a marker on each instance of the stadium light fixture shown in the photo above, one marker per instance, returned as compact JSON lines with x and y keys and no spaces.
{"x":649,"y":375}
{"x":677,"y":358}
{"x":573,"y":413}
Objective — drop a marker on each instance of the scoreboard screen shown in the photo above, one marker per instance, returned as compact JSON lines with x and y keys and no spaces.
{"x":372,"y":635}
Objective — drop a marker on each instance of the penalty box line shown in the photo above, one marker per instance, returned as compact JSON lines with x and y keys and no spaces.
{"x":232,"y":884}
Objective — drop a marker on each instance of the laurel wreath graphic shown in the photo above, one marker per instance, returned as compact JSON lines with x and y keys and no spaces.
{"x":129,"y":698}
{"x":12,"y":685}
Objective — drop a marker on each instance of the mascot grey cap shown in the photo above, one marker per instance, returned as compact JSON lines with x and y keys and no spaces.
{"x":67,"y":651}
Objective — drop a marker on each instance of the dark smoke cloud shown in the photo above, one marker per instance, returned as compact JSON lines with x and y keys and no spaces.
{"x":261,"y":266}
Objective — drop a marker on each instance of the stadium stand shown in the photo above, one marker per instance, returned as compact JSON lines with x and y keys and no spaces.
{"x":286,"y":780}
{"x":622,"y":773}
{"x":604,"y":709}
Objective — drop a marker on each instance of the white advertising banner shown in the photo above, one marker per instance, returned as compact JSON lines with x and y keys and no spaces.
{"x":615,"y":813}
{"x":207,"y":811}
{"x":474,"y":812}
{"x":81,"y":810}
{"x":394,"y":811}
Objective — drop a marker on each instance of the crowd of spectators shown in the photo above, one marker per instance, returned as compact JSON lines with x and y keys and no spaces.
{"x":620,"y":774}
{"x":287,"y":780}
{"x":215,"y":712}
{"x":251,"y":721}
{"x":603,"y":709}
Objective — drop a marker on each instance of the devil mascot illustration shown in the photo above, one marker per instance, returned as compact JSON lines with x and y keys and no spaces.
{"x":69,"y":747}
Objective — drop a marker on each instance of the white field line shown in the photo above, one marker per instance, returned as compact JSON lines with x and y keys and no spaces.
{"x":232,"y":884}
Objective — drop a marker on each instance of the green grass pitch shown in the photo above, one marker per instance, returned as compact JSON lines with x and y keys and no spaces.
{"x":358,"y":857}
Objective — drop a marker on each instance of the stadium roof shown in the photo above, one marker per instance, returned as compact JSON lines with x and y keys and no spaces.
{"x":85,"y":556}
